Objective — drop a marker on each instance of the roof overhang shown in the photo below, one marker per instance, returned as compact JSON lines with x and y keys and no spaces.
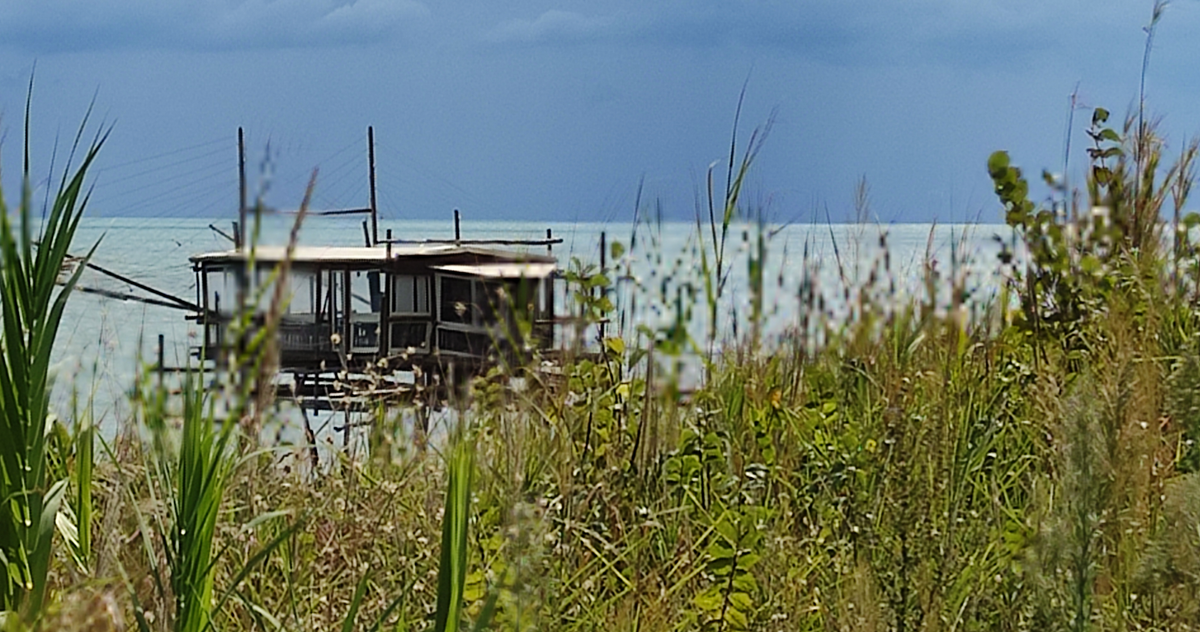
{"x":374,"y":256}
{"x":501,"y":270}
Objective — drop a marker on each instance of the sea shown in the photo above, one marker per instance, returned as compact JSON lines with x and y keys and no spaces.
{"x":104,"y":342}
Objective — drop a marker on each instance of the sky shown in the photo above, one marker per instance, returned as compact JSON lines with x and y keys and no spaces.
{"x":536,"y":110}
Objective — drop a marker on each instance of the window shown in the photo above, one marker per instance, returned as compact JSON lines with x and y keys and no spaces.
{"x":507,"y":300}
{"x":406,"y":336}
{"x":410,"y":294}
{"x":456,"y":305}
{"x":483,"y":303}
{"x":364,"y":335}
{"x":463,"y":342}
{"x":365,"y":293}
{"x":222,"y":289}
{"x":303,"y":295}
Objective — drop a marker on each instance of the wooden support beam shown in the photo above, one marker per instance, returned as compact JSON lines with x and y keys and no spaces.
{"x":178,"y":302}
{"x":224,"y":234}
{"x":122,"y":296}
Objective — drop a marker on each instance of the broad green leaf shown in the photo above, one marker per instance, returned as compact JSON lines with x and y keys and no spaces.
{"x":745,"y":582}
{"x":998,"y":163}
{"x":709,"y":600}
{"x":617,"y":250}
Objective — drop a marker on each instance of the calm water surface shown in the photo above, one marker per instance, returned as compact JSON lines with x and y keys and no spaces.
{"x":102,"y":339}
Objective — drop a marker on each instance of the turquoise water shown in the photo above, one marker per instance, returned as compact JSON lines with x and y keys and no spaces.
{"x":102,"y":339}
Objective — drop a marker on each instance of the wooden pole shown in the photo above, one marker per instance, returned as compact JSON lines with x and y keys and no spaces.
{"x":310,"y":437}
{"x":374,"y":209}
{"x":202,"y":274}
{"x":223,"y":233}
{"x":162,"y":354}
{"x":366,"y":234}
{"x":347,"y":309}
{"x":243,"y":277}
{"x":457,"y":226}
{"x":603,"y":252}
{"x":421,"y":428}
{"x":550,"y":290}
{"x":385,"y":312}
{"x":603,"y":271}
{"x":318,"y":303}
{"x":241,"y":233}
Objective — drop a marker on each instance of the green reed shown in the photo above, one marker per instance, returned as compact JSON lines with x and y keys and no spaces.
{"x":34,"y":293}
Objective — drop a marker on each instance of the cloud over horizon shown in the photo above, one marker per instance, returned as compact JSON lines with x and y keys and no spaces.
{"x":554,"y":27}
{"x":984,"y":33}
{"x":57,"y":26}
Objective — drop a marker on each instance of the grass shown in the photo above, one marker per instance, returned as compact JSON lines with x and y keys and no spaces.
{"x":927,"y":463}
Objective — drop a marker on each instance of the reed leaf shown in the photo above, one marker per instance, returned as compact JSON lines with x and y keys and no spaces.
{"x":33,"y":294}
{"x":452,"y":572}
{"x":85,"y":443}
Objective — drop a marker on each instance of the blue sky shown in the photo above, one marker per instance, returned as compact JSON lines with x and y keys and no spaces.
{"x":557,"y":110}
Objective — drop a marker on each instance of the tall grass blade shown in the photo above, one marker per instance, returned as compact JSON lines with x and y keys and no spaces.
{"x":85,"y":444}
{"x":387,"y":612}
{"x":355,"y":602}
{"x":452,"y":572}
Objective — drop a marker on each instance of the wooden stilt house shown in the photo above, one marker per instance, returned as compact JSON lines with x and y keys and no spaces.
{"x":417,"y":305}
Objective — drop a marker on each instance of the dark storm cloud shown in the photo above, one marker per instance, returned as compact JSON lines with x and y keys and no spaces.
{"x":51,"y":26}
